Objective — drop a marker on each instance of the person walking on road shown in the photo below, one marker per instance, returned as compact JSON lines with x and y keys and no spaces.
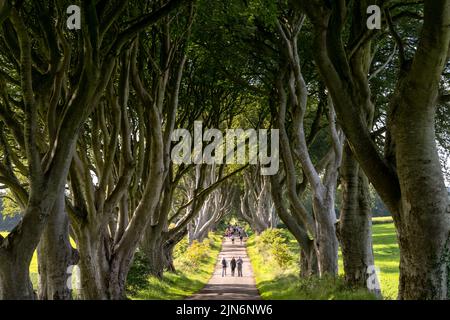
{"x":224,"y":267}
{"x":241,"y":237}
{"x":233,"y":266}
{"x":239,"y":263}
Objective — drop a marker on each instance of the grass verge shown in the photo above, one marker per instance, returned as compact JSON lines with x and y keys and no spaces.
{"x":194,"y":264}
{"x":276,"y":269}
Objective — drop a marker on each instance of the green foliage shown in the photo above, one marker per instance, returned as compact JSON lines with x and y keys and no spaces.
{"x":10,"y":206}
{"x":138,"y":274}
{"x":194,"y":265}
{"x":281,"y":253}
{"x":266,"y":10}
{"x":196,"y":254}
{"x":273,"y":245}
{"x":181,"y":248}
{"x":269,"y":236}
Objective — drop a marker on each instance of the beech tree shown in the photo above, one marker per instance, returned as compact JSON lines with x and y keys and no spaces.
{"x":203,"y":97}
{"x":43,"y":59}
{"x":257,"y":207}
{"x":216,"y":206}
{"x":323,"y":190}
{"x":269,"y":41}
{"x":110,"y":218}
{"x":88,"y":118}
{"x":408,"y":175}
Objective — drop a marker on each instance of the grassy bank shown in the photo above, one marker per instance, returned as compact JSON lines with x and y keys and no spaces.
{"x":387,"y":257}
{"x":194,"y":264}
{"x":276,"y":269}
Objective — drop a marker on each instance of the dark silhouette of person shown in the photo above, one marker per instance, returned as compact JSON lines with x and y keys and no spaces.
{"x":224,"y":267}
{"x":233,"y":266}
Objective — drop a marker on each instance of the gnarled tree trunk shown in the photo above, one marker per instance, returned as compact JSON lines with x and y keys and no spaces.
{"x":355,"y":222}
{"x":256,"y":204}
{"x":326,"y":239}
{"x":293,"y":93}
{"x":423,"y":217}
{"x":308,"y":252}
{"x":56,"y":255}
{"x":15,"y":283}
{"x":408,"y":176}
{"x":152,"y":245}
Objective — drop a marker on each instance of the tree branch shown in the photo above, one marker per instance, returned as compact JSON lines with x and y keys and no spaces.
{"x":397,"y":38}
{"x":145,"y":22}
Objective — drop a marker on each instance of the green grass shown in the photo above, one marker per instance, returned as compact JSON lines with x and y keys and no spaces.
{"x":387,"y":257}
{"x":381,"y":220}
{"x":274,"y":282}
{"x":188,"y":279}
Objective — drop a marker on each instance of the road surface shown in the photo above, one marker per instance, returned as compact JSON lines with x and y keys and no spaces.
{"x":230,"y":288}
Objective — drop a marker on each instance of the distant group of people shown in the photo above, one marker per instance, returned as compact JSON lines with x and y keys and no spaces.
{"x":232,"y":232}
{"x":233,"y":265}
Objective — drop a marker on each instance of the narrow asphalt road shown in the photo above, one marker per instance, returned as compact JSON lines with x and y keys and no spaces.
{"x":228,"y":287}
